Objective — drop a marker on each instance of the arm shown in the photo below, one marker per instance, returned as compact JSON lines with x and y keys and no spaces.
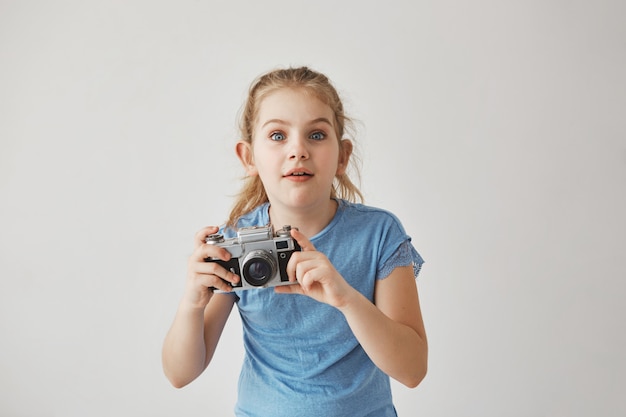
{"x":391,"y":330}
{"x":191,"y":341}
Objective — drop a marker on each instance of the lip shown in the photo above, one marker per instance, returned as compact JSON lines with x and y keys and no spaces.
{"x":302,"y":175}
{"x":298,"y":173}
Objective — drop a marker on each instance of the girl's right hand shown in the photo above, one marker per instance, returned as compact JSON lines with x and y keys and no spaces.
{"x":202,"y":276}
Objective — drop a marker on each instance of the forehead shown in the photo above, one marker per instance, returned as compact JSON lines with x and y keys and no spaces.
{"x":292,"y":103}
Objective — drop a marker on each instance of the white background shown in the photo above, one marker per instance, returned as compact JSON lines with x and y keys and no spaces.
{"x":494,"y":129}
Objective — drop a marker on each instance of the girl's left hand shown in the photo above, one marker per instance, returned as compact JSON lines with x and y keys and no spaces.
{"x":316,"y":276}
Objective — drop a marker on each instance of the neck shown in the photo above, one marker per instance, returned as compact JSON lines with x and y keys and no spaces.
{"x":310,"y":221}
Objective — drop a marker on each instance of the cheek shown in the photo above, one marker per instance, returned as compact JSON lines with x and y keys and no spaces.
{"x":261,"y":160}
{"x":333,"y":166}
{"x":336,"y":158}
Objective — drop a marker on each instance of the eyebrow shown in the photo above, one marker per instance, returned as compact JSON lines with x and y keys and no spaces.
{"x":312,"y":122}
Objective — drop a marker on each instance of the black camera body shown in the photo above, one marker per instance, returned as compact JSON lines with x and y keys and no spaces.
{"x":258,"y":256}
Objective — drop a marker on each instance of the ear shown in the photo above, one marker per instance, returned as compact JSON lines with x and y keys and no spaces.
{"x":245,"y":155}
{"x":345,"y":150}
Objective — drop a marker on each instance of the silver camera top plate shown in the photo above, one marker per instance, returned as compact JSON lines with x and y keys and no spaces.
{"x":255,"y":234}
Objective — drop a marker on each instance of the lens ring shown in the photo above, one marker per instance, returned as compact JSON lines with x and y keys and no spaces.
{"x":258,"y":268}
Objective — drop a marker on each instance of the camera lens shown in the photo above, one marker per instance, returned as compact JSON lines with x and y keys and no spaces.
{"x":258,"y":268}
{"x":258,"y":271}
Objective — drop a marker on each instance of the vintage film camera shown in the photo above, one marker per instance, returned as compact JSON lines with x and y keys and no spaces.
{"x":259,"y":257}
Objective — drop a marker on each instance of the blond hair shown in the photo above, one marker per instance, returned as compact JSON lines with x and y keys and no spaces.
{"x":253,"y":193}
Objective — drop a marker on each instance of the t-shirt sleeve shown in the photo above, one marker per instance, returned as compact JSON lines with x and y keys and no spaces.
{"x":396,"y":249}
{"x":404,"y":255}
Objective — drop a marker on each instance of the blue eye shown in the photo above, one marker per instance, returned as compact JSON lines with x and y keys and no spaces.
{"x":317,"y":135}
{"x":277,"y":136}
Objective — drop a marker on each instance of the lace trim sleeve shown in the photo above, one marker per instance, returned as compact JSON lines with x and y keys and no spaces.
{"x":403,"y":256}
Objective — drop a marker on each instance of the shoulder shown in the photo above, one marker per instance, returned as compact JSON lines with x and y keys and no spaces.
{"x":369,"y":226}
{"x":368,"y":215}
{"x":259,"y":216}
{"x":382,"y":231}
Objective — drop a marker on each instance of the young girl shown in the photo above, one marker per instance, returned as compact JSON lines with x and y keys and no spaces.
{"x":326,"y":345}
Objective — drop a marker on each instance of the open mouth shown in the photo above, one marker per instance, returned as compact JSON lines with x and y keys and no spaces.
{"x":298,"y":173}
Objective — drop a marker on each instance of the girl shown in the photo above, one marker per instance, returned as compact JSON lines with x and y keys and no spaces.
{"x":327,"y":345}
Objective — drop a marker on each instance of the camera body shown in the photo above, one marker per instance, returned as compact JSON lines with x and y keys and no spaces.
{"x":258,"y":256}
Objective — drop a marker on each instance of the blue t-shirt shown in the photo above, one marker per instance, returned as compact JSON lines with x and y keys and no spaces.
{"x":301,"y":357}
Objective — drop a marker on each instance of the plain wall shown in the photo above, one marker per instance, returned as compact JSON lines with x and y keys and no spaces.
{"x":495,"y":130}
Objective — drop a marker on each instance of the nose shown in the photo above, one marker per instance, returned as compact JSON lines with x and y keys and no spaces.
{"x":298,"y":149}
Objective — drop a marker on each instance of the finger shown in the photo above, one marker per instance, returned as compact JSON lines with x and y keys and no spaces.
{"x":217,"y":270}
{"x":304,"y":243}
{"x":308,"y":272}
{"x":207,"y":260}
{"x":292,"y":266}
{"x":211,"y":282}
{"x":207,"y":251}
{"x":219,"y":278}
{"x":220,"y":284}
{"x":297,"y":264}
{"x":289,"y":289}
{"x":200,"y":237}
{"x":300,"y":270}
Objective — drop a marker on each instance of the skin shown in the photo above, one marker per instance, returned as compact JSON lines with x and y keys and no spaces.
{"x":294,"y":133}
